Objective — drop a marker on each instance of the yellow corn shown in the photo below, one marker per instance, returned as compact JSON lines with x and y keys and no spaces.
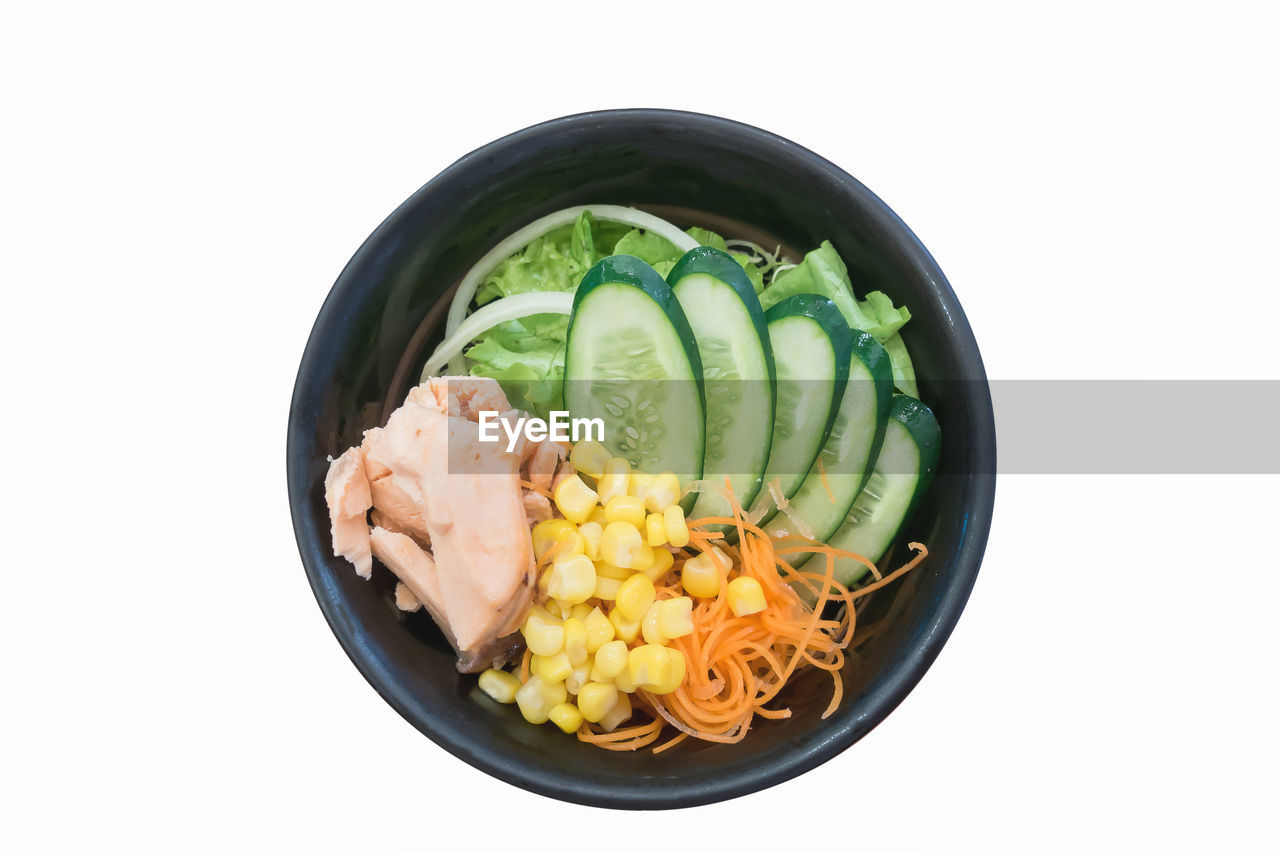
{"x":596,"y":699}
{"x":673,"y":522}
{"x":649,"y":625}
{"x":546,"y":535}
{"x":675,"y":674}
{"x":746,"y":596}
{"x":608,"y":570}
{"x":662,"y":562}
{"x":607,"y":588}
{"x":599,"y":629}
{"x":536,"y":698}
{"x":590,"y":532}
{"x":625,"y":508}
{"x":654,"y":530}
{"x":624,"y":629}
{"x":650,"y":666}
{"x":634,"y":597}
{"x":642,"y":558}
{"x":567,"y":718}
{"x":573,"y":579}
{"x":610,"y":660}
{"x":597,"y":516}
{"x":700,"y":576}
{"x":551,"y":668}
{"x":553,"y":606}
{"x":575,"y":499}
{"x":589,"y":457}
{"x":575,"y":641}
{"x":623,"y":681}
{"x":499,"y":686}
{"x":618,"y":714}
{"x":722,"y":557}
{"x":619,"y":542}
{"x":543,"y":633}
{"x":544,"y":580}
{"x":675,"y":617}
{"x":580,"y":676}
{"x":662,"y":492}
{"x":580,"y":612}
{"x":640,"y":483}
{"x":614,"y":481}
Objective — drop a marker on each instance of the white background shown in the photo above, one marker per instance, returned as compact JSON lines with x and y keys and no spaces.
{"x":180,"y":188}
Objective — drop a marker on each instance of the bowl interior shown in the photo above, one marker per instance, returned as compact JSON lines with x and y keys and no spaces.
{"x":385,"y":314}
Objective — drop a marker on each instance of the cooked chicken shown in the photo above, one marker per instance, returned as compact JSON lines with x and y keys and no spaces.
{"x":433,"y":484}
{"x":346,"y":491}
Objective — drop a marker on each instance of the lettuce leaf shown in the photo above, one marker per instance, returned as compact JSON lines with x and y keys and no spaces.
{"x":823,"y":272}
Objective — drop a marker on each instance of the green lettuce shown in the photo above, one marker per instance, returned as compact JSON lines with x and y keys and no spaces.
{"x":822,"y":271}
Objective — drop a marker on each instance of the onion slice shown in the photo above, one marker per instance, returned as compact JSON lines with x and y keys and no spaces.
{"x":526,"y":235}
{"x":512,"y":307}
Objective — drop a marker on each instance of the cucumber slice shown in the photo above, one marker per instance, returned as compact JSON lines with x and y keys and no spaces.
{"x":811,"y":352}
{"x":848,"y":458}
{"x":632,"y":361}
{"x":903,"y":470}
{"x":737,"y":373}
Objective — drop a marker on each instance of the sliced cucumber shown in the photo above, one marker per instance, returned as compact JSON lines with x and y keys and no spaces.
{"x":632,"y":361}
{"x":902,"y":473}
{"x":811,"y":351}
{"x":737,"y":373}
{"x":848,"y":458}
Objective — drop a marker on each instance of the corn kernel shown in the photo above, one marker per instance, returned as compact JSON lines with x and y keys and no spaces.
{"x":580,"y":611}
{"x":543,"y":633}
{"x":599,"y":629}
{"x":547,"y":533}
{"x":499,"y":686}
{"x":746,"y":596}
{"x":649,"y":625}
{"x":544,"y":580}
{"x":608,"y":570}
{"x":650,"y":666}
{"x":642,"y":558}
{"x":597,"y":516}
{"x":623,"y":681}
{"x":640,"y":482}
{"x":675,"y":617}
{"x":580,"y":676}
{"x":700,"y":576}
{"x":634,"y":597}
{"x":596,"y":699}
{"x":677,"y":530}
{"x":573,"y":579}
{"x":590,"y":532}
{"x":675,"y":675}
{"x":567,"y":718}
{"x":722,"y":557}
{"x":619,"y":714}
{"x":575,"y":641}
{"x":536,"y":698}
{"x":552,"y":605}
{"x":551,"y":668}
{"x":615,"y":479}
{"x":610,"y":660}
{"x":655,"y":532}
{"x":662,"y":562}
{"x":618,"y":543}
{"x":625,"y":508}
{"x":607,"y":588}
{"x":589,"y":457}
{"x":662,"y":492}
{"x":575,"y":499}
{"x":624,"y":629}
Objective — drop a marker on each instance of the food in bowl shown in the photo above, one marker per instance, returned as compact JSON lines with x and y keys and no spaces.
{"x":750,"y":414}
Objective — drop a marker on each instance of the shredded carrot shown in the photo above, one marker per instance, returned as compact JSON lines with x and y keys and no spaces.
{"x":524,"y":665}
{"x":822,"y":472}
{"x":737,"y":665}
{"x":546,"y":493}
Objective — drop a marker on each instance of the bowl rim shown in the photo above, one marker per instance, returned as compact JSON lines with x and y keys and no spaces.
{"x":877,"y":703}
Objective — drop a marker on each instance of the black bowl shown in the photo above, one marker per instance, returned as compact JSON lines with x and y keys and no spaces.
{"x":385,"y":313}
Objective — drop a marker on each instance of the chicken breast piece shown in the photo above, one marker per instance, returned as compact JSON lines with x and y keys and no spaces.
{"x":346,"y":492}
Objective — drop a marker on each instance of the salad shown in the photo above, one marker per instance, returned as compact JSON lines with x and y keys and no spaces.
{"x":751,"y":445}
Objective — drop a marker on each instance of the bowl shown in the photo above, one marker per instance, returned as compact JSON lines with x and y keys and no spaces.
{"x":385,"y":314}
